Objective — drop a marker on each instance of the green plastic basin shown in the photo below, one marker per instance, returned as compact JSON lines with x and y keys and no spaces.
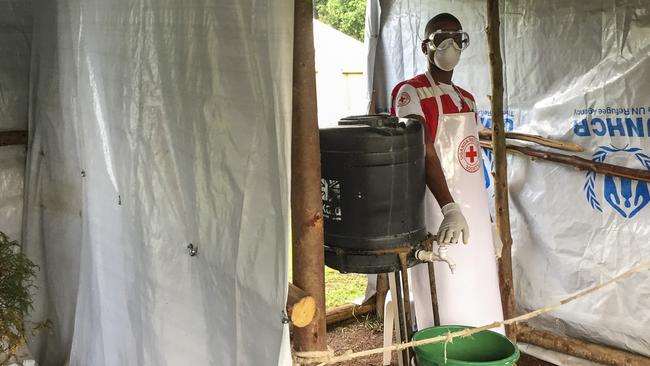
{"x":486,"y":348}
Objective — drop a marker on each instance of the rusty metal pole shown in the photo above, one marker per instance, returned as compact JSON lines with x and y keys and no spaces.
{"x":406,"y":298}
{"x":500,"y":167}
{"x":306,"y":204}
{"x":434,"y":294}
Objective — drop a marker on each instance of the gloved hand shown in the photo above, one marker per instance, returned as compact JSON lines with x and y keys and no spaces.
{"x":453,"y":225}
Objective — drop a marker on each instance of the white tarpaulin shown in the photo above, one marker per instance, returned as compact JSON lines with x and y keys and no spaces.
{"x":15,"y":39}
{"x":156,"y":124}
{"x":574,"y":70}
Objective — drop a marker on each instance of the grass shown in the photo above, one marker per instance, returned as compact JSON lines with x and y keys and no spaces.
{"x":343,"y":288}
{"x":340,"y":288}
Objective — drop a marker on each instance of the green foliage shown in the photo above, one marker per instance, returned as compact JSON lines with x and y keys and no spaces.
{"x":17,"y":275}
{"x":348,"y":16}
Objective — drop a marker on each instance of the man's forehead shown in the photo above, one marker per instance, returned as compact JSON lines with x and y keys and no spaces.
{"x":445,"y":25}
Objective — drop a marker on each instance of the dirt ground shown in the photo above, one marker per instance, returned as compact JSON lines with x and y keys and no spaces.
{"x":367,"y":333}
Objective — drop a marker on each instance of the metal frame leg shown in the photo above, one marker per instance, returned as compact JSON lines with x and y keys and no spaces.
{"x":434,"y":294}
{"x":400,"y":309}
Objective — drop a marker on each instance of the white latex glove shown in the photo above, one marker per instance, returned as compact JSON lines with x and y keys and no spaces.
{"x":453,"y":225}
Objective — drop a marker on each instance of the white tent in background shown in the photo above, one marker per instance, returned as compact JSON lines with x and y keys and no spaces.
{"x":340,"y":74}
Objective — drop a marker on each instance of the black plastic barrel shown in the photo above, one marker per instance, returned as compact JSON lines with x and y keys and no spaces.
{"x":373,"y":188}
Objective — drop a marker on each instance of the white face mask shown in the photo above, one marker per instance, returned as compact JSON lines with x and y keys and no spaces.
{"x":446,"y":56}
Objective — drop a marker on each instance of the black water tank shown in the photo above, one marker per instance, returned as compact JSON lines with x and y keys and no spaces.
{"x":373,"y":188}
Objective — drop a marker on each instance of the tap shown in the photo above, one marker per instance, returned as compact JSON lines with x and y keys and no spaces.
{"x":441,"y":256}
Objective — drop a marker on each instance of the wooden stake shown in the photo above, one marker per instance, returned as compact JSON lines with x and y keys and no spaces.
{"x":500,"y":167}
{"x":8,"y":138}
{"x":306,"y":204}
{"x":556,"y":144}
{"x":578,"y":162}
{"x":589,"y":351}
{"x":300,"y":306}
{"x":382,"y":291}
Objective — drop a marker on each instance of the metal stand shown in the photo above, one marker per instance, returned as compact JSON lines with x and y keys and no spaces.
{"x":403,"y":300}
{"x":403,"y":260}
{"x":400,"y":290}
{"x":434,"y":294}
{"x":402,"y":297}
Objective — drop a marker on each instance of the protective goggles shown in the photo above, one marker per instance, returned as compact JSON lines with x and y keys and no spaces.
{"x":437,"y":40}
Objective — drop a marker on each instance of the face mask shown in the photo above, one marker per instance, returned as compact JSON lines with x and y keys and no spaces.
{"x":446,"y":55}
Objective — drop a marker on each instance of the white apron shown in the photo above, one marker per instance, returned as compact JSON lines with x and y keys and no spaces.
{"x":471,"y":295}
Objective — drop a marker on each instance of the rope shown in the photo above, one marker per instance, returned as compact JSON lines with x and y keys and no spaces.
{"x":307,"y":357}
{"x":327,"y":358}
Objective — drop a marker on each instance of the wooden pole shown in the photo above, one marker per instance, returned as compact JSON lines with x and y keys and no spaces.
{"x":500,"y":167}
{"x":348,"y":311}
{"x":589,"y":351}
{"x":306,"y":205}
{"x":556,"y":144}
{"x":8,"y":138}
{"x":578,"y":162}
{"x":382,"y":291}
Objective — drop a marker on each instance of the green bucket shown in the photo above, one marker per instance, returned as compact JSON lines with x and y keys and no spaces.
{"x":486,"y":348}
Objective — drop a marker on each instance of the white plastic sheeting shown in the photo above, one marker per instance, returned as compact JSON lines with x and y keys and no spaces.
{"x":15,"y":39}
{"x":156,"y":124}
{"x":577,"y":71}
{"x":12,"y":168}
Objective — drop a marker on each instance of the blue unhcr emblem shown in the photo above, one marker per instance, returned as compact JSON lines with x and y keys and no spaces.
{"x":626,"y":196}
{"x":487,"y":159}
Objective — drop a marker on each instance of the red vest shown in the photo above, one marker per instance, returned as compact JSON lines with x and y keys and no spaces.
{"x":428,"y":101}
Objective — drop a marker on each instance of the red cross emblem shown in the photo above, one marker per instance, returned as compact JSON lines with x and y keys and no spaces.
{"x":471,"y":154}
{"x":403,"y":99}
{"x":468,"y":154}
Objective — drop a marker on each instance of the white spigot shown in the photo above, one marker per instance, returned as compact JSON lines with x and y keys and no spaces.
{"x":441,"y":256}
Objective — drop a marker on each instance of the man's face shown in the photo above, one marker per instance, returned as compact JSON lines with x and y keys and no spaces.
{"x":446,"y":25}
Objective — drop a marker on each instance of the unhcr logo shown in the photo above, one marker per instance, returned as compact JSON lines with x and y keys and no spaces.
{"x":485,"y":118}
{"x":626,"y":196}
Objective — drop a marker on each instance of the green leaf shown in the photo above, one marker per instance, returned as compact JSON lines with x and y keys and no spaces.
{"x":17,"y":275}
{"x":347,"y":16}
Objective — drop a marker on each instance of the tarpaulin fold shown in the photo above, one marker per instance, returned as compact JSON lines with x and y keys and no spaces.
{"x":155,"y":125}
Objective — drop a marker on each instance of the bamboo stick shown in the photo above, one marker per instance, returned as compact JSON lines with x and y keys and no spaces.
{"x":306,"y":204}
{"x":500,"y":167}
{"x":578,"y":162}
{"x":575,"y":347}
{"x":8,"y":138}
{"x":557,"y":144}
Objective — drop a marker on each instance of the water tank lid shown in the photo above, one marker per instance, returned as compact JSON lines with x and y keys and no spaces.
{"x":372,"y":133}
{"x":372,"y":120}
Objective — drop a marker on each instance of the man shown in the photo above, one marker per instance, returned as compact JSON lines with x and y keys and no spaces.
{"x":455,"y":179}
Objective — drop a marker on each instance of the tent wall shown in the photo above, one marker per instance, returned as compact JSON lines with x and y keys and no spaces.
{"x":156,"y":124}
{"x":578,"y":71}
{"x":15,"y":39}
